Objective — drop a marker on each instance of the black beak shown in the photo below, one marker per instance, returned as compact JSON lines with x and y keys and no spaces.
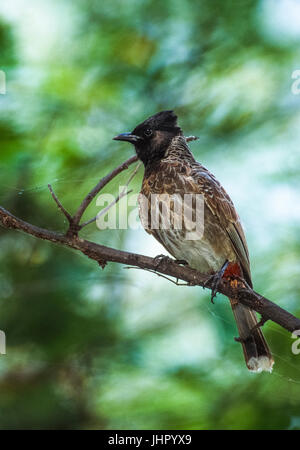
{"x":132,"y":138}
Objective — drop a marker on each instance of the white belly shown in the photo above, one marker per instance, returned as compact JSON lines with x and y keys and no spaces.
{"x":197,"y":253}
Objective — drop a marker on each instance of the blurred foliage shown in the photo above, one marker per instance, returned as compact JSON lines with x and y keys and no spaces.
{"x":120,"y":348}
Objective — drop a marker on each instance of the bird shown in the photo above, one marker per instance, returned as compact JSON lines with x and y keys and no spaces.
{"x":219,"y":246}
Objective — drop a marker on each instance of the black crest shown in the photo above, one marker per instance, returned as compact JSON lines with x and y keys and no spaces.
{"x":164,"y":120}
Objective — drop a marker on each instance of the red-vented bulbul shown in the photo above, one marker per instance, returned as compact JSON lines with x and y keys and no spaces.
{"x":172,"y":172}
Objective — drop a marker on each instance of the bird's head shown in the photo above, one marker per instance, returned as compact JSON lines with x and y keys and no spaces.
{"x":152,"y":137}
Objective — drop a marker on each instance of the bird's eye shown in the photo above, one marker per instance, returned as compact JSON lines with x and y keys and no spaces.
{"x":148,"y":132}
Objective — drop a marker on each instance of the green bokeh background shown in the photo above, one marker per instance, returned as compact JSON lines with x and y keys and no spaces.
{"x":124,"y":349}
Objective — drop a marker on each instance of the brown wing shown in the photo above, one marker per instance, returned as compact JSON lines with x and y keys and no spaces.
{"x":177,"y":176}
{"x":220,"y":204}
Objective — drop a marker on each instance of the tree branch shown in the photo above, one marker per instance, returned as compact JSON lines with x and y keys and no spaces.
{"x":60,"y":206}
{"x":92,"y":194}
{"x":166,"y":266}
{"x":115,"y":201}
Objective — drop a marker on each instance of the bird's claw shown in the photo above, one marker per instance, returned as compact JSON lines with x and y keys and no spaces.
{"x":215,"y":279}
{"x":160,"y":259}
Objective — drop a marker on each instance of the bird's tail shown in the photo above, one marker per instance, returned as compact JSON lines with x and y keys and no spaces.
{"x":257,"y":354}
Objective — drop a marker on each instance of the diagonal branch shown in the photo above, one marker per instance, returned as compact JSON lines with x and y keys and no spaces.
{"x":104,"y":210}
{"x":117,"y":199}
{"x":167,"y":267}
{"x":60,"y":206}
{"x":103,"y":182}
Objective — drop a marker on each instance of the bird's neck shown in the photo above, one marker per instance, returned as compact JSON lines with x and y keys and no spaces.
{"x":178,"y":150}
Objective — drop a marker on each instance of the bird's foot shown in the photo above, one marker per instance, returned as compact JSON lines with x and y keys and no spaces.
{"x":260,"y":323}
{"x":160,"y":259}
{"x":215,"y":280}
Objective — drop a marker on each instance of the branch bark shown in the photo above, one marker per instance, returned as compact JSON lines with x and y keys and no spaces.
{"x":166,"y":266}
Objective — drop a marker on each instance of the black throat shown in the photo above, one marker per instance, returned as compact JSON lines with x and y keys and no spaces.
{"x":150,"y":152}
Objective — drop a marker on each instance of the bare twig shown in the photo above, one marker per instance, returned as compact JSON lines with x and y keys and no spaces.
{"x":60,"y":206}
{"x":103,"y":182}
{"x":191,"y":138}
{"x":104,"y":210}
{"x":159,"y":275}
{"x":117,"y":199}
